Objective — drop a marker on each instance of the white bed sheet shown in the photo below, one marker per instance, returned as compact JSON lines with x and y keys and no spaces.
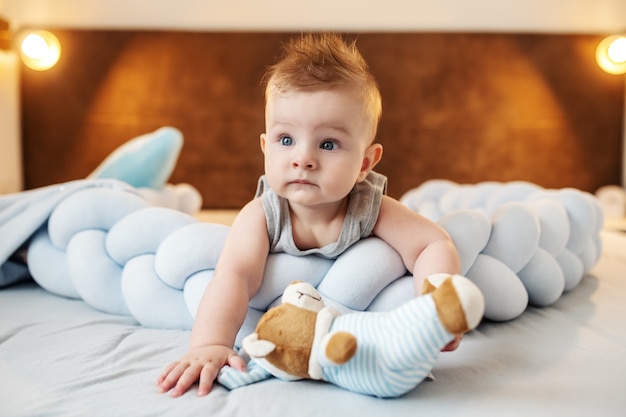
{"x":59,"y":357}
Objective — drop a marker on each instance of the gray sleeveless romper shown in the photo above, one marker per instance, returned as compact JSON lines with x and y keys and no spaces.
{"x":363,"y":208}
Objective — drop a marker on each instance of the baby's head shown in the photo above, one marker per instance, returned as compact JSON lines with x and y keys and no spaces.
{"x":321,"y":62}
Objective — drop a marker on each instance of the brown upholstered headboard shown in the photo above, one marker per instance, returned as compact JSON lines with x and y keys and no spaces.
{"x":465,"y":107}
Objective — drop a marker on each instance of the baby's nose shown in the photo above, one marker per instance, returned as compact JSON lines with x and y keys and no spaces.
{"x":305,"y":160}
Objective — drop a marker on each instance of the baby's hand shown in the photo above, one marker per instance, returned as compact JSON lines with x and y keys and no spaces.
{"x":200,"y":364}
{"x":454,"y":344}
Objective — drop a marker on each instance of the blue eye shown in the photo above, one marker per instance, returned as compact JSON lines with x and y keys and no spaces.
{"x":286,"y":141}
{"x":328,"y":145}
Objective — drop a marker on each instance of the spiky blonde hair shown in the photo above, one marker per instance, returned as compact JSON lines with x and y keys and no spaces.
{"x":324,"y":61}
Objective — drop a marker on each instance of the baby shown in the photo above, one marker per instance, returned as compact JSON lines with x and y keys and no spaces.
{"x":319,"y":195}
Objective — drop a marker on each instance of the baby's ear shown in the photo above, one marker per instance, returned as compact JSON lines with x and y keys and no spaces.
{"x":372,"y":156}
{"x":262,"y":142}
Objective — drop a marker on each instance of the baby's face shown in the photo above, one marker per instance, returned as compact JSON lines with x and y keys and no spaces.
{"x":315,"y":144}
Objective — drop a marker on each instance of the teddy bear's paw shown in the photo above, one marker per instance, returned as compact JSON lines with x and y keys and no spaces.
{"x":434,"y":281}
{"x":339,"y":347}
{"x":460,"y":303}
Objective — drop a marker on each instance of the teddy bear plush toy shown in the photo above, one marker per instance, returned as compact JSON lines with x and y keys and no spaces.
{"x":383,"y":354}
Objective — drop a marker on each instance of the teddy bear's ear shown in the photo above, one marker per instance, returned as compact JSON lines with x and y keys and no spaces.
{"x":257,"y":348}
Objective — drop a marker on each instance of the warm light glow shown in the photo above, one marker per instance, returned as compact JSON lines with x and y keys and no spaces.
{"x":611,"y":54}
{"x":40,"y":50}
{"x":617,"y":50}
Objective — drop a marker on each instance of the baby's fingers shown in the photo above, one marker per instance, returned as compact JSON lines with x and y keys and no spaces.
{"x":207,"y":376}
{"x":235,"y":361}
{"x":453,"y":345}
{"x":162,"y":377}
{"x":174,"y":376}
{"x":186,"y":378}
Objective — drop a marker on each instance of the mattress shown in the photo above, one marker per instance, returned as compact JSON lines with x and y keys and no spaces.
{"x":60,"y":357}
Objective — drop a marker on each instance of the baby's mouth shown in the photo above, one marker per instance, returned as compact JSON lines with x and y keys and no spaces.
{"x":304,"y":182}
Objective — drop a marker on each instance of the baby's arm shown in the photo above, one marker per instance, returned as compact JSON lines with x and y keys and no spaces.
{"x":223,"y":306}
{"x":425,"y":247}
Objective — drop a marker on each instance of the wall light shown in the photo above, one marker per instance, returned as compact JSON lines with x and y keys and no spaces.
{"x":611,"y":54}
{"x":39,"y":49}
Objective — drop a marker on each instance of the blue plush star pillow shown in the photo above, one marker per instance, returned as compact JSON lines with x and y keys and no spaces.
{"x":146,"y":161}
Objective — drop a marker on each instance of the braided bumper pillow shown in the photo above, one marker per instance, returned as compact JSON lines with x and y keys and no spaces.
{"x":518,"y":242}
{"x":114,"y":248}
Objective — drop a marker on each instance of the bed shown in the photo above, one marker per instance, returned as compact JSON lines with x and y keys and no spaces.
{"x":62,"y":357}
{"x":544,"y":116}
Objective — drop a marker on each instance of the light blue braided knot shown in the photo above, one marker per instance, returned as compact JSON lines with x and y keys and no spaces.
{"x":120,"y":252}
{"x":518,"y":242}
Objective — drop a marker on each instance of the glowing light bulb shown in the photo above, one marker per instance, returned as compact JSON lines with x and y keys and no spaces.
{"x":40,"y":50}
{"x":617,"y":50}
{"x":34,"y":46}
{"x":611,"y":54}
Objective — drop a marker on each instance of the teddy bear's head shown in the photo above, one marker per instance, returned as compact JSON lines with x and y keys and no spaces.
{"x":303,"y":295}
{"x":284,"y":335}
